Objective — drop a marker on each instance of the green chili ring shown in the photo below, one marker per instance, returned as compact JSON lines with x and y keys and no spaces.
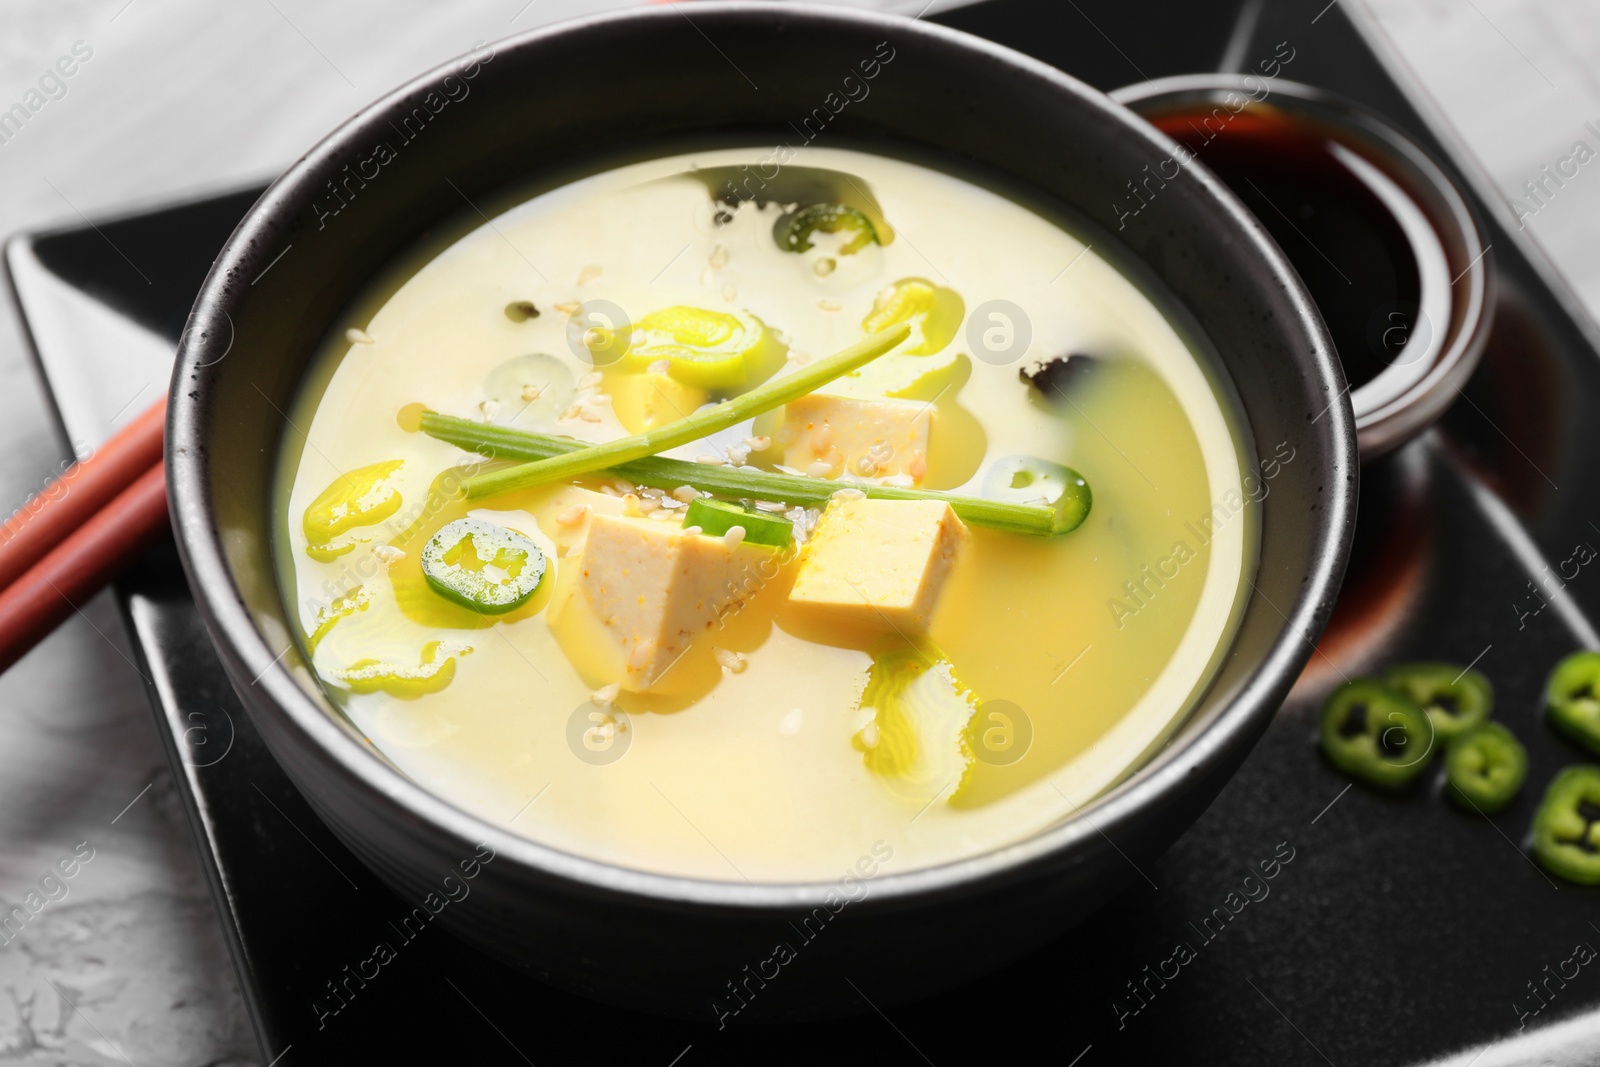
{"x":1455,"y":698}
{"x":1375,"y":733}
{"x":1485,"y":766}
{"x":483,"y":567}
{"x":1566,"y":835}
{"x":717,"y":517}
{"x":1030,"y":480}
{"x":793,"y":234}
{"x":1572,"y":698}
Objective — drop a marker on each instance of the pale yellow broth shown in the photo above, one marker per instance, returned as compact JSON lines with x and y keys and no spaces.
{"x":758,"y":774}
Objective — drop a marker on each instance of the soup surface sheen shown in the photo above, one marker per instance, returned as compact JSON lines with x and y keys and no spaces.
{"x":752,"y":757}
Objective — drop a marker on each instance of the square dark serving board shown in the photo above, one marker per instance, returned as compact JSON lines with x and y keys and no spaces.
{"x":1396,"y":929}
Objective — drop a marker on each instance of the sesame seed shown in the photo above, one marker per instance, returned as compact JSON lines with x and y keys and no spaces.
{"x":849,"y":494}
{"x":692,"y":530}
{"x":733,"y":661}
{"x":389,"y":553}
{"x":710,"y":461}
{"x":819,"y":469}
{"x":758,"y":444}
{"x":573,"y":515}
{"x":606,"y":694}
{"x":899,"y":481}
{"x":589,"y":274}
{"x":734,"y":535}
{"x":686,"y":493}
{"x":571,"y":307}
{"x":358,"y":337}
{"x":660,"y":366}
{"x":530,"y":393}
{"x":590,"y":380}
{"x":719,"y":258}
{"x":490,"y":409}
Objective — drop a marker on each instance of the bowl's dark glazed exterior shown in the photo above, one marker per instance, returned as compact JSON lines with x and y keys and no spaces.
{"x":534,"y":106}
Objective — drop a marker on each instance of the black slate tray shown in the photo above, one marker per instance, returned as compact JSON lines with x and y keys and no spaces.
{"x":1400,"y":930}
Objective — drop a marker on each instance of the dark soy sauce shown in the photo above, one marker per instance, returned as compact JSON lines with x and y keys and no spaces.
{"x":1341,"y":236}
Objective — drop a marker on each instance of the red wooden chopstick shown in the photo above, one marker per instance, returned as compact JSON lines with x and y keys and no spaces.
{"x":80,"y":532}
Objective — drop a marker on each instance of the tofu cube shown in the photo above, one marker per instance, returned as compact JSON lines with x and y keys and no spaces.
{"x":882,"y":563}
{"x":563,"y":513}
{"x":868,"y":438}
{"x":653,"y":589}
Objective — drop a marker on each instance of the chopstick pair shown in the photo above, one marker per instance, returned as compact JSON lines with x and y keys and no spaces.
{"x":80,"y":532}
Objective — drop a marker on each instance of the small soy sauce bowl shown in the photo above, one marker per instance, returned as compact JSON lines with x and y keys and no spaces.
{"x":1388,"y":247}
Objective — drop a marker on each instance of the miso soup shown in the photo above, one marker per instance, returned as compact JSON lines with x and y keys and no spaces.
{"x":848,"y":620}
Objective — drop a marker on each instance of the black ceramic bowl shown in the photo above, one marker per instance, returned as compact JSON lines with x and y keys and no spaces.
{"x":541,"y":107}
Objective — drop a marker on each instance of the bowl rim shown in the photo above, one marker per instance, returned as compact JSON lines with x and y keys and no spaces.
{"x":246,"y":651}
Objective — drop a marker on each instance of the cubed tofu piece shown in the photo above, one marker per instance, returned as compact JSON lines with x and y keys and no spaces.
{"x":563,"y":513}
{"x":646,"y":400}
{"x":653,"y":589}
{"x":869,"y":438}
{"x":880,"y":562}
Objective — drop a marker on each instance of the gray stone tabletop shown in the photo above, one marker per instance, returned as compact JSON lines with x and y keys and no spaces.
{"x":123,"y":962}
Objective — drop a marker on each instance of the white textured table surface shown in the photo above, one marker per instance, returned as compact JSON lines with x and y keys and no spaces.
{"x":181,"y":96}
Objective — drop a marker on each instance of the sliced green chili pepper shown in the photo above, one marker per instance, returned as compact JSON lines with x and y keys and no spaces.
{"x":482,"y":566}
{"x":717,"y":517}
{"x":1572,"y":698}
{"x":1375,"y":733}
{"x":1485,"y":765}
{"x":1030,"y":480}
{"x":1455,"y":698}
{"x":1566,"y":829}
{"x":793,"y":233}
